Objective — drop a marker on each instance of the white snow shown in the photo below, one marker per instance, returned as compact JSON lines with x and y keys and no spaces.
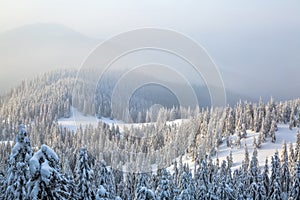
{"x":77,"y":118}
{"x":267,"y":149}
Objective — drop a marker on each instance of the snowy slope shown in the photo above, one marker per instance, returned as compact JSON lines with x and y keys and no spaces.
{"x":77,"y":119}
{"x":267,"y":149}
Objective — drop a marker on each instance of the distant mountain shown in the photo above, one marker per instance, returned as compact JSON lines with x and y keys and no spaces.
{"x":34,"y":49}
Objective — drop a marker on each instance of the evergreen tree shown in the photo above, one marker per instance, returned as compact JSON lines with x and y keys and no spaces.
{"x":142,"y":189}
{"x":85,"y":176}
{"x":295,"y":191}
{"x":253,"y":169}
{"x":46,"y":180}
{"x":285,"y":172}
{"x":265,"y":177}
{"x":2,"y":186}
{"x":272,"y":131}
{"x":297,"y":148}
{"x":246,"y":158}
{"x":261,"y":190}
{"x":18,"y":171}
{"x":163,"y":190}
{"x":105,"y":179}
{"x":275,"y":180}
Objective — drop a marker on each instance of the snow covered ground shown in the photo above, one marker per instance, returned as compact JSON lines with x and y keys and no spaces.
{"x":77,"y":119}
{"x":267,"y":149}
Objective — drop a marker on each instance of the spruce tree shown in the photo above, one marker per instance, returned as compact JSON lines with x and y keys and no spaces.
{"x":105,"y":179}
{"x":3,"y":185}
{"x":46,"y":180}
{"x":163,"y":190}
{"x":18,"y":172}
{"x":85,"y":176}
{"x":295,"y":191}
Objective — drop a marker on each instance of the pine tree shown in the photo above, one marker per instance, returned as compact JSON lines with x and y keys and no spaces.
{"x":285,"y":172}
{"x":105,"y":178}
{"x":163,"y":190}
{"x":142,"y":189}
{"x":18,"y":170}
{"x":297,"y":148}
{"x":46,"y":180}
{"x":261,"y":190}
{"x":259,"y":140}
{"x":272,"y":131}
{"x":253,"y":169}
{"x":275,"y":180}
{"x":85,"y":176}
{"x":291,"y":159}
{"x":295,"y":190}
{"x":202,"y":180}
{"x":246,"y":158}
{"x":2,"y":186}
{"x":265,"y":177}
{"x":224,"y":191}
{"x":276,"y":191}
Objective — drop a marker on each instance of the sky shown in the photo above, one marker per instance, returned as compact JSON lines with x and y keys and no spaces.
{"x":256,"y":44}
{"x":104,"y":18}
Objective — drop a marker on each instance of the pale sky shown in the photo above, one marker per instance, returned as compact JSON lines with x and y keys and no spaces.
{"x":97,"y":18}
{"x":256,"y":43}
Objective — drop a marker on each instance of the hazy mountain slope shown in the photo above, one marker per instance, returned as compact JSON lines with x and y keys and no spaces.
{"x":34,"y":49}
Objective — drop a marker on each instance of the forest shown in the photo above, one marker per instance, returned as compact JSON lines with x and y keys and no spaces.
{"x":42,"y":160}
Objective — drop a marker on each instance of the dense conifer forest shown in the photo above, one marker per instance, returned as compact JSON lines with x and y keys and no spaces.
{"x":42,"y":160}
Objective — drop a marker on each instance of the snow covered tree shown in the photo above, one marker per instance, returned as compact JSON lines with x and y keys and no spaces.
{"x":142,"y":189}
{"x":105,"y":179}
{"x":224,"y":191}
{"x":102,"y":194}
{"x":291,"y":159}
{"x":259,"y":140}
{"x":275,"y":180}
{"x":163,"y":190}
{"x":276,"y":191}
{"x":2,"y":186}
{"x":246,"y":158}
{"x":46,"y":181}
{"x":202,"y":180}
{"x":297,"y":148}
{"x":253,"y":168}
{"x":85,"y":176}
{"x":285,"y":172}
{"x":18,"y":171}
{"x":260,"y":189}
{"x":272,"y":131}
{"x":295,"y":191}
{"x":265,"y":177}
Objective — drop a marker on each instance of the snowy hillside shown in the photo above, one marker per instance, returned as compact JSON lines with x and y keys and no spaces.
{"x":77,"y":119}
{"x":266,"y":150}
